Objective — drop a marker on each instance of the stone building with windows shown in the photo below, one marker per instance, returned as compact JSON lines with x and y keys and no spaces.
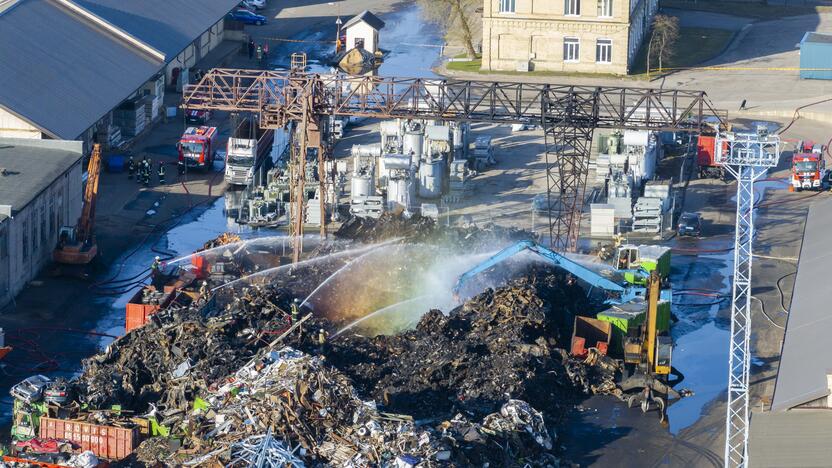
{"x":586,"y":36}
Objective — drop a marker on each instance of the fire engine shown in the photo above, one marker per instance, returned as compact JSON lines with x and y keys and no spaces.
{"x":197,"y":147}
{"x":807,"y":171}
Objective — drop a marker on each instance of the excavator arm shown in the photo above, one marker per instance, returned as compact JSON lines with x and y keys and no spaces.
{"x":87,"y":219}
{"x":593,"y":278}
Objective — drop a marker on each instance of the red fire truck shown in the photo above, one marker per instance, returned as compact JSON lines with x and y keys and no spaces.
{"x":197,"y":147}
{"x":808,"y":170}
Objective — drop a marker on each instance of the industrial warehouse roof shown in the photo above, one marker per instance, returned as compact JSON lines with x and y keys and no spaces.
{"x":61,"y":74}
{"x":793,"y":438}
{"x":28,"y":166}
{"x":374,"y":21}
{"x":66,"y":63}
{"x":166,"y":25}
{"x":806,"y":359}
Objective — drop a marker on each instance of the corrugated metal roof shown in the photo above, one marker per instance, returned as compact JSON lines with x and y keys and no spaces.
{"x":368,"y":18}
{"x":166,"y":25}
{"x":31,"y":166}
{"x":806,"y":359}
{"x":61,"y":74}
{"x":793,"y":438}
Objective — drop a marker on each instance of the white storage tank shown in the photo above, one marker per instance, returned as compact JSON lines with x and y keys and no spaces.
{"x":399,"y":193}
{"x":413,"y":144}
{"x":431,"y":175}
{"x":362,"y":186}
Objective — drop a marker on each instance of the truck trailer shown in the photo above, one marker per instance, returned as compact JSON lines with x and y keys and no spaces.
{"x":248,"y":153}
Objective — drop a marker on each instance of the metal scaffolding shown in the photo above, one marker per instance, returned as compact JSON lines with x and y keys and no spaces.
{"x":568,"y":115}
{"x":746,"y":157}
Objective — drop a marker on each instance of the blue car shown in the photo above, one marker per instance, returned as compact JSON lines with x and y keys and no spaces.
{"x":247,"y":17}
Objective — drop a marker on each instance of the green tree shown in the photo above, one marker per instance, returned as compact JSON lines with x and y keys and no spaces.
{"x":460,"y":19}
{"x":662,"y":39}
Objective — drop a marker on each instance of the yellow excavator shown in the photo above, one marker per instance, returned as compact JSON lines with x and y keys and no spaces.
{"x":76,"y":245}
{"x":647,"y":359}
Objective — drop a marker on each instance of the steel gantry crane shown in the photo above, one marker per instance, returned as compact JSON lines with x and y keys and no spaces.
{"x":568,"y":115}
{"x":746,"y":156}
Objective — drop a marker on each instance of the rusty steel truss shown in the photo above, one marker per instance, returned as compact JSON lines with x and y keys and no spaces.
{"x":568,"y":115}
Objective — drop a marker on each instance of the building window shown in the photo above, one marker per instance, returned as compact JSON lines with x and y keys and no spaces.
{"x":571,"y":49}
{"x":34,"y":232}
{"x":605,"y":8}
{"x":603,"y":51}
{"x":43,"y":232}
{"x":24,"y":250}
{"x":572,"y":7}
{"x":4,"y":243}
{"x":506,"y":6}
{"x":52,"y":219}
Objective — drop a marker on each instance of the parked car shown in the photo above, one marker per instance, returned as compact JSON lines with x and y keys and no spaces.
{"x":253,"y":4}
{"x":690,"y":224}
{"x":247,"y":17}
{"x":31,"y":389}
{"x":198,"y":117}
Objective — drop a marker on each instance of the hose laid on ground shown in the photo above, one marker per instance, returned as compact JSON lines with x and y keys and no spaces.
{"x":765,"y":314}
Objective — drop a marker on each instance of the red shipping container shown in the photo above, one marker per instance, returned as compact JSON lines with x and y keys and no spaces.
{"x":112,"y":443}
{"x":137,"y":314}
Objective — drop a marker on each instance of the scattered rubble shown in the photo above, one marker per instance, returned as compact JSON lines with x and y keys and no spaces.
{"x":296,"y":409}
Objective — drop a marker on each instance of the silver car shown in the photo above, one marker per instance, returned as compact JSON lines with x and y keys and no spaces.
{"x":31,"y":389}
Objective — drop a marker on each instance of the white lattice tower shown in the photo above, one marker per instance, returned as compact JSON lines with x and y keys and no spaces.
{"x":746,"y":156}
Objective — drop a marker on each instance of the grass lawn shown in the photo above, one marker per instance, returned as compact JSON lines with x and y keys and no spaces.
{"x":745,"y":9}
{"x":471,"y":66}
{"x":694,"y":46}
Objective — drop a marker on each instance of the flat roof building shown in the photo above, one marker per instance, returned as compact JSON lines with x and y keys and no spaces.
{"x":40,"y":191}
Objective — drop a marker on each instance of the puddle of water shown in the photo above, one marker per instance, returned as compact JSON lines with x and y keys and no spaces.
{"x":702,"y":356}
{"x":194,"y":231}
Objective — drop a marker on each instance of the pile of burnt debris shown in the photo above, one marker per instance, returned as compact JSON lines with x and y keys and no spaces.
{"x":423,"y":229}
{"x":231,"y":379}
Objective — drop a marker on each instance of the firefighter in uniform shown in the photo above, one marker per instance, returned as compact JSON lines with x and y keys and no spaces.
{"x":322,"y":334}
{"x":295,"y":310}
{"x":131,"y":167}
{"x":161,"y":172}
{"x":155,"y":271}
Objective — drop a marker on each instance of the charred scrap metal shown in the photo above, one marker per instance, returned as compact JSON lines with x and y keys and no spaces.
{"x":482,"y":383}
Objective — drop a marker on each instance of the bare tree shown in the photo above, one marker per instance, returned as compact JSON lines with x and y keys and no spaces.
{"x":460,"y":19}
{"x":662,"y":39}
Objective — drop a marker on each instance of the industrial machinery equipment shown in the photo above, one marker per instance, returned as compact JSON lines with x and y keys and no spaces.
{"x":569,"y":115}
{"x":616,"y":293}
{"x":647,"y":357}
{"x":76,"y":245}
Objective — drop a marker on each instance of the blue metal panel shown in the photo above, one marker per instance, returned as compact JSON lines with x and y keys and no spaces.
{"x":814,"y":55}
